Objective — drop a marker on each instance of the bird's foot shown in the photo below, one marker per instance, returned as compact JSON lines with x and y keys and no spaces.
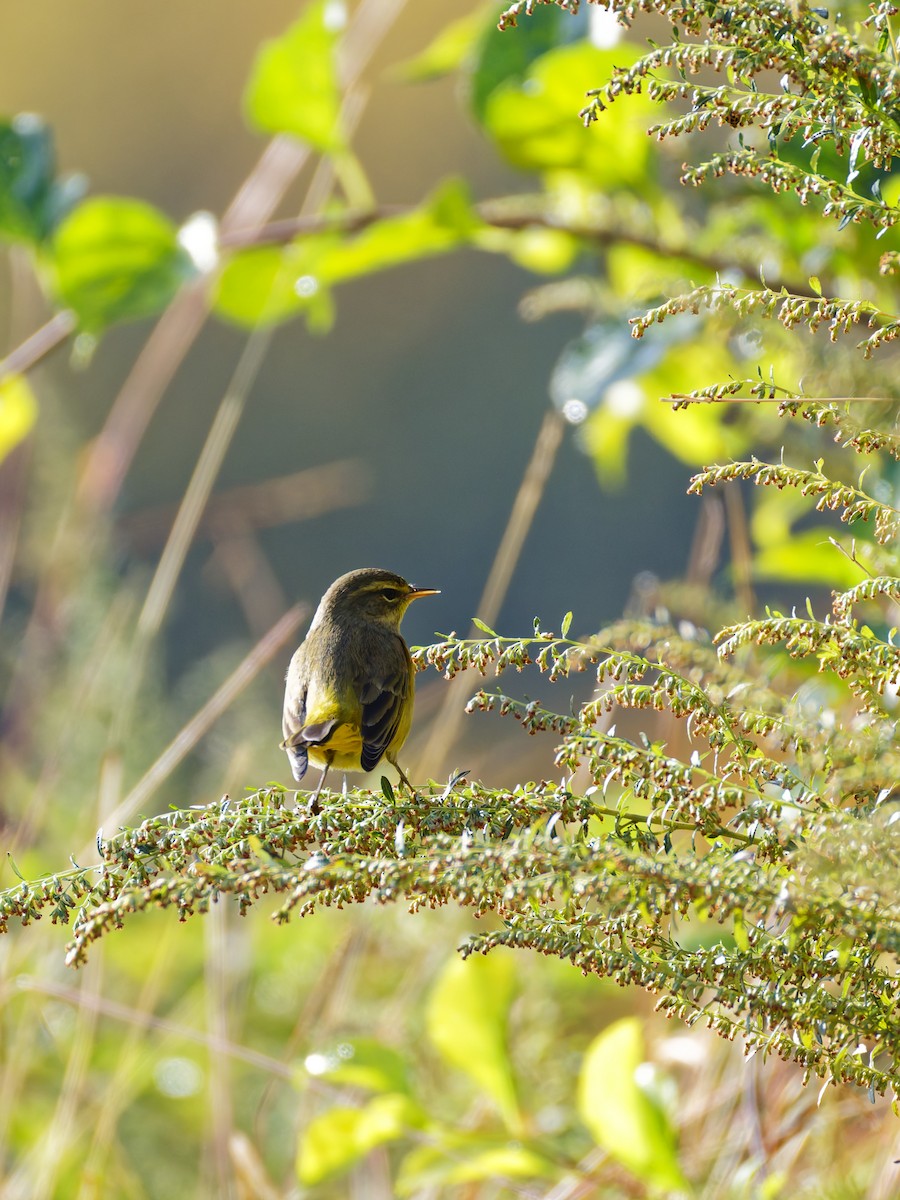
{"x":308,"y":802}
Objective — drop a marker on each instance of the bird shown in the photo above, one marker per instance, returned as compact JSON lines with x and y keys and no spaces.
{"x":349,"y":689}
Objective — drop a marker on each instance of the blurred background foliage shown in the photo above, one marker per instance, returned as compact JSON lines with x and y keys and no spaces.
{"x":418,"y":356}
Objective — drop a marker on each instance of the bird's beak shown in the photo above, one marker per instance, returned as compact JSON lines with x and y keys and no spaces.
{"x":415,"y":592}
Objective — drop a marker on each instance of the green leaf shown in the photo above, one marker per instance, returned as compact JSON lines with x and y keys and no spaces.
{"x":501,"y":59}
{"x":18,"y":412}
{"x":116,"y":259}
{"x":890,"y":191}
{"x":449,"y":50}
{"x":32,"y":199}
{"x":566,"y":625}
{"x":363,"y":1063}
{"x":466,"y":1020}
{"x":621,"y":1114}
{"x":337,"y":1140}
{"x":479,"y":624}
{"x":293,"y":86}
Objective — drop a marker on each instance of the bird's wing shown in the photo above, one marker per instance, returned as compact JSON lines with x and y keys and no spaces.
{"x":298,"y":758}
{"x":383,"y":699}
{"x":294,"y":717}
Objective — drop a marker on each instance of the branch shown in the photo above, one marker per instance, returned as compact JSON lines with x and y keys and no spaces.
{"x":513,"y":213}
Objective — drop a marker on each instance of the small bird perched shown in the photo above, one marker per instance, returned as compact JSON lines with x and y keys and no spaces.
{"x":349,"y":693}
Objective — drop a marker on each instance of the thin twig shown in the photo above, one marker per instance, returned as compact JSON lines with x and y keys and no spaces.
{"x":249,"y":1170}
{"x":36,"y":347}
{"x":448,"y":720}
{"x":168,"y":569}
{"x":242,"y":562}
{"x":707,"y":543}
{"x":121,"y":1012}
{"x":194,"y":501}
{"x":112,"y":451}
{"x":686,"y":398}
{"x":499,"y":213}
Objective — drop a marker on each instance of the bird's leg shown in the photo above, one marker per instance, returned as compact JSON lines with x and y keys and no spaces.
{"x":314,"y":798}
{"x":393,"y":761}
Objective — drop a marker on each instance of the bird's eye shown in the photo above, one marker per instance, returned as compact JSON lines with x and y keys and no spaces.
{"x":392,"y":595}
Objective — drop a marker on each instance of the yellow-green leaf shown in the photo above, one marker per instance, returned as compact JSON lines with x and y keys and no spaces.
{"x":544,"y":251}
{"x":455,"y":1159}
{"x":293,"y":86}
{"x":18,"y":412}
{"x":267,"y":284}
{"x":806,"y":556}
{"x":620,"y":1112}
{"x":501,"y":1162}
{"x":466,"y":1020}
{"x":479,"y":624}
{"x":535,"y":124}
{"x":337,"y":1140}
{"x":741,"y":936}
{"x":782,"y":551}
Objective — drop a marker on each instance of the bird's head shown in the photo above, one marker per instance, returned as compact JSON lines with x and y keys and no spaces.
{"x":370,"y":594}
